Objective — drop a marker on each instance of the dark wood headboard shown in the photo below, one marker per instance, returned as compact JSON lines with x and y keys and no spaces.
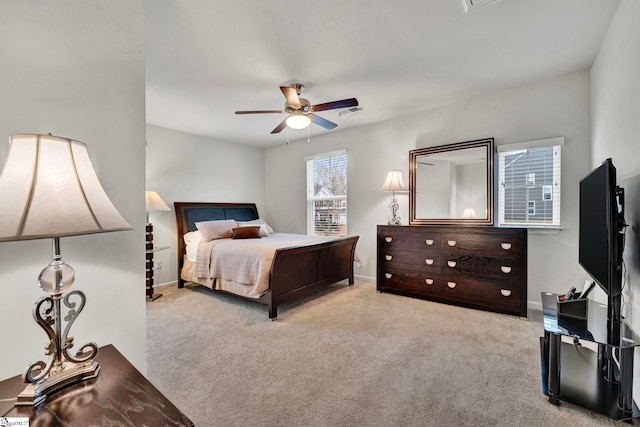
{"x":188,"y":213}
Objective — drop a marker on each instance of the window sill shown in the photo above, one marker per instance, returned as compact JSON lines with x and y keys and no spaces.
{"x":533,"y":229}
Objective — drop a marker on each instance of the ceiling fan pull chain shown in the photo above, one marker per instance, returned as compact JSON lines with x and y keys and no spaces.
{"x":308,"y":135}
{"x":287,"y":135}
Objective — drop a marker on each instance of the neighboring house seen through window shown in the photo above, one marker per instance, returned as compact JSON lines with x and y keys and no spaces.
{"x":529,"y":184}
{"x":327,"y":194}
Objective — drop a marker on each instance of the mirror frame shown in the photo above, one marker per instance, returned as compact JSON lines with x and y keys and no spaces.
{"x":486,"y":143}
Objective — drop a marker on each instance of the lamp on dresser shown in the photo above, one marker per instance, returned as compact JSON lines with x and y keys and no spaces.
{"x":153,"y":202}
{"x":50,"y":190}
{"x":469,"y":213}
{"x":394,"y":184}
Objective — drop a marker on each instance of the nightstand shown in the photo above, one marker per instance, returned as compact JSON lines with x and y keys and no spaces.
{"x":151,"y":270}
{"x":120,"y":395}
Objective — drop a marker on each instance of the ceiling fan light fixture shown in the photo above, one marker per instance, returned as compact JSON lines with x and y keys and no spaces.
{"x":298,"y":121}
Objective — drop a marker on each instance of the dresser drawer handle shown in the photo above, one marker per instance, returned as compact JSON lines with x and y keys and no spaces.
{"x":429,"y":242}
{"x":388,"y":275}
{"x":505,"y":246}
{"x":505,"y":269}
{"x":388,"y":239}
{"x":451,"y":284}
{"x":505,"y":292}
{"x":388,"y":257}
{"x":451,"y":242}
{"x":429,"y":261}
{"x":429,"y":281}
{"x":451,"y":263}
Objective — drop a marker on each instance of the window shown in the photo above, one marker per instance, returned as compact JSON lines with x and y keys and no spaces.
{"x":327,"y":194}
{"x":529,"y":184}
{"x":531,"y":179}
{"x":531,"y":209}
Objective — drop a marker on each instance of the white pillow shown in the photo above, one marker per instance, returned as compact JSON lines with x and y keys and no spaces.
{"x":257,"y":221}
{"x":221,"y":229}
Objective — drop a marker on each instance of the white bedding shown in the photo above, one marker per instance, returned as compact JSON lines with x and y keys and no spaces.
{"x":242,"y":266}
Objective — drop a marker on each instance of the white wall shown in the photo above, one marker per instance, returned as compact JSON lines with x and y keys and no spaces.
{"x":555,"y":107}
{"x":438,"y":180}
{"x":76,"y":69}
{"x":182,"y":167}
{"x":471,"y":194}
{"x":615,"y":99}
{"x":615,"y":117}
{"x":615,"y":123}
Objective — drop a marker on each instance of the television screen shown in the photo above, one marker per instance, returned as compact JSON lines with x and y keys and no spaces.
{"x":598,"y":234}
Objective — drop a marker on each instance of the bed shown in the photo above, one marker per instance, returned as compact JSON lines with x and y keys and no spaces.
{"x":296,"y":270}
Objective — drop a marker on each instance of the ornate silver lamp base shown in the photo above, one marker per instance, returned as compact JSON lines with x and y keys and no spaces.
{"x":394,"y":219}
{"x":62,"y":369}
{"x":36,"y":393}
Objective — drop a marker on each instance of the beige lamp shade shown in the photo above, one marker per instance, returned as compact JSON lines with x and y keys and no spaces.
{"x":394,"y":182}
{"x":49,"y":188}
{"x":154,"y":202}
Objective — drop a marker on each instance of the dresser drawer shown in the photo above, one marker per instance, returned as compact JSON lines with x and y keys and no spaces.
{"x":411,"y":282}
{"x":501,"y":269}
{"x":426,"y":261}
{"x":482,"y":292}
{"x":500,"y":245}
{"x":392,"y":237}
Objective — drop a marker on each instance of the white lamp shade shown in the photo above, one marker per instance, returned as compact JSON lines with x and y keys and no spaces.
{"x":394,"y":182}
{"x":298,"y":121}
{"x":154,"y":202}
{"x":49,"y":188}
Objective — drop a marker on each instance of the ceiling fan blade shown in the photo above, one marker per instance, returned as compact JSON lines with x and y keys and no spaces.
{"x":322,"y":122}
{"x":292,"y":96}
{"x":259,"y":111}
{"x":281,"y":126}
{"x":343,"y":103}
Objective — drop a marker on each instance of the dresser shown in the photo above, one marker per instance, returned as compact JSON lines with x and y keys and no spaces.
{"x":477,"y":267}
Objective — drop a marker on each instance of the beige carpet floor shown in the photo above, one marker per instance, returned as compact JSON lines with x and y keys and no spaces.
{"x":349,"y":356}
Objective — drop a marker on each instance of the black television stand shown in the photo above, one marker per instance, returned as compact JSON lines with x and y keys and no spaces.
{"x":589,"y":361}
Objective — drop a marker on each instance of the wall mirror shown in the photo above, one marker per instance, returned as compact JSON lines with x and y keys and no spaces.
{"x":452,"y":184}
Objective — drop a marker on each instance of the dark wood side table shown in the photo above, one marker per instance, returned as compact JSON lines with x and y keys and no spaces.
{"x":151,"y":268}
{"x":120,"y":395}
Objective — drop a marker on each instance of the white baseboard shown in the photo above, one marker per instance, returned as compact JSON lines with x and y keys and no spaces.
{"x":534,"y":305}
{"x":365,"y":278}
{"x":164,"y":285}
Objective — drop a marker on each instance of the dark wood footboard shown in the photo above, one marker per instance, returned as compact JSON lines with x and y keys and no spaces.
{"x":303,"y":270}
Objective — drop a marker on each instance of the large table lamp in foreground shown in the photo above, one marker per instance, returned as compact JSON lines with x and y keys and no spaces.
{"x":49,"y":189}
{"x":394,"y":184}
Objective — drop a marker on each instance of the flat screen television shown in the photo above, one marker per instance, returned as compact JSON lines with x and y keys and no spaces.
{"x":601,"y":227}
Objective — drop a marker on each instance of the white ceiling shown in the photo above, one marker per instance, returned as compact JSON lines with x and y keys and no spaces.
{"x":206,"y":59}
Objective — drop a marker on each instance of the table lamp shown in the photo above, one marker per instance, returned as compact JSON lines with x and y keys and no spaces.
{"x":49,"y":189}
{"x":394,"y":184}
{"x":153,"y":202}
{"x":469,"y":213}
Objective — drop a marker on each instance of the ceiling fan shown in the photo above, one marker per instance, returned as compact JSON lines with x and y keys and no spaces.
{"x":300,"y":110}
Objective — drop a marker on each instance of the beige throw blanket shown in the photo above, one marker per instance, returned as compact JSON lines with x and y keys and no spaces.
{"x":247,"y":261}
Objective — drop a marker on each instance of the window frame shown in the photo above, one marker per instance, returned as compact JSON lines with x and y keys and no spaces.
{"x":311,"y":198}
{"x":556,"y":185}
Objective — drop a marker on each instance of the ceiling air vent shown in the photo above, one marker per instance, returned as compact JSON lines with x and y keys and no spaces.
{"x":473,"y":5}
{"x":350,"y":111}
